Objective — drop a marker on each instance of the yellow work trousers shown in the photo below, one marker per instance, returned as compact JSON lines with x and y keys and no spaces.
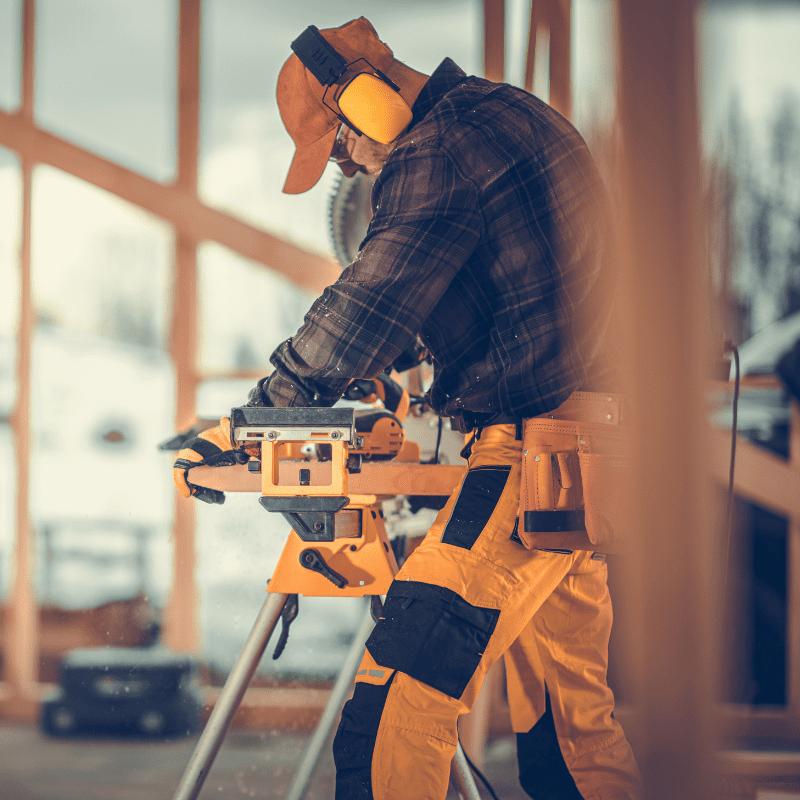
{"x":468,"y":595}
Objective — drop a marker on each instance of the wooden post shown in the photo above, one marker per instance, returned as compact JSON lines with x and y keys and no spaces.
{"x":181,"y":621}
{"x":21,"y":645}
{"x":494,"y":40}
{"x":556,"y":17}
{"x":561,"y":56}
{"x":673,"y":573}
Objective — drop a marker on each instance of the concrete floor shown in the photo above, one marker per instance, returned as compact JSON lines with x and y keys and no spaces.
{"x":249,"y":764}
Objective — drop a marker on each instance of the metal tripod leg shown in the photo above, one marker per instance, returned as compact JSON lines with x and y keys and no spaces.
{"x":231,"y":696}
{"x":229,"y":699}
{"x":334,"y":705}
{"x":461,"y":776}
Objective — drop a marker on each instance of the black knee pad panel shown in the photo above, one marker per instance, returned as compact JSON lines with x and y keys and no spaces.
{"x":354,"y":743}
{"x":432,"y":634}
{"x":543,"y":773}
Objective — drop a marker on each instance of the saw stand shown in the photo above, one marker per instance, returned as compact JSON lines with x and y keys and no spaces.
{"x":337,"y":548}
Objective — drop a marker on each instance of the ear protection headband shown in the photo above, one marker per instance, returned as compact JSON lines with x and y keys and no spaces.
{"x":366,"y":100}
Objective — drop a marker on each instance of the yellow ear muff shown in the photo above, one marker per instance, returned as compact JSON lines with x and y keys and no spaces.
{"x":373,"y":107}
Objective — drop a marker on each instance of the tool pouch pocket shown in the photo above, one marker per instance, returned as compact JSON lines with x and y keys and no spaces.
{"x":575,"y":477}
{"x":606,"y":467}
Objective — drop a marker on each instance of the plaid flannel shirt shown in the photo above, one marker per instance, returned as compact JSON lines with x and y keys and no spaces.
{"x":489,"y":241}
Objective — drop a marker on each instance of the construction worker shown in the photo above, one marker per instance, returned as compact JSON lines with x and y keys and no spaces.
{"x":489,"y":243}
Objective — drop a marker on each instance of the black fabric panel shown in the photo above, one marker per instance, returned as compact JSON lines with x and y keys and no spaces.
{"x":354,"y":743}
{"x":476,"y":503}
{"x":543,"y":773}
{"x":203,"y":447}
{"x":546,"y":521}
{"x":432,"y":634}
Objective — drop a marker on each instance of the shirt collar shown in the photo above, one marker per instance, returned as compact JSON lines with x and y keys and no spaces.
{"x":444,"y":78}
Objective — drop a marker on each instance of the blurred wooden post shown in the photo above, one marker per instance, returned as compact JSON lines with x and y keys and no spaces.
{"x":494,"y":40}
{"x":793,"y":571}
{"x":556,"y":17}
{"x":560,"y":56}
{"x":674,"y":569}
{"x":181,"y":617}
{"x":21,"y":652}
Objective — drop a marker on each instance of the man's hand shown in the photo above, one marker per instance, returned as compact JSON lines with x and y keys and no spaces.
{"x":211,"y":448}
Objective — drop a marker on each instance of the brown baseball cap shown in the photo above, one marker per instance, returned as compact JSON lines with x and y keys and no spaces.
{"x":310,"y":123}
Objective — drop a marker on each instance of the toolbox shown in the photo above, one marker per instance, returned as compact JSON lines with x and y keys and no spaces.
{"x":146,"y":692}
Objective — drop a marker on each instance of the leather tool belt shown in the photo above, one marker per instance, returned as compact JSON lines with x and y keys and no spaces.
{"x":576,"y":474}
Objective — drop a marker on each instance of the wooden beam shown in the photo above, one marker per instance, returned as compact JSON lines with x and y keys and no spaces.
{"x":494,"y":40}
{"x":781,"y":766}
{"x":171,"y":202}
{"x":760,"y":476}
{"x":382,"y":478}
{"x":293,"y":709}
{"x":752,"y":723}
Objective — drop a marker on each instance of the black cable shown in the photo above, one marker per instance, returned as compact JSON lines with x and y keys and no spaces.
{"x":438,"y":442}
{"x":481,"y":776}
{"x":731,"y":348}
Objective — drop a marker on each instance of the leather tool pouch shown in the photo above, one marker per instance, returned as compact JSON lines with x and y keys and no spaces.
{"x":575,"y":482}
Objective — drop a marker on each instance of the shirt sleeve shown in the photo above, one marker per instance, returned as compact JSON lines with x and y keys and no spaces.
{"x":426,"y":224}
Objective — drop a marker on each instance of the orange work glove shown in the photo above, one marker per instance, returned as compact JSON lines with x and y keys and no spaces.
{"x":211,"y":448}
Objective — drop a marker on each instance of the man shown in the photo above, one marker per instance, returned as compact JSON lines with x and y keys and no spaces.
{"x":487,"y":242}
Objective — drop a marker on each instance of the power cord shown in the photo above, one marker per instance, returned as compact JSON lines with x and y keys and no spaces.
{"x":730,"y":347}
{"x":438,"y":442}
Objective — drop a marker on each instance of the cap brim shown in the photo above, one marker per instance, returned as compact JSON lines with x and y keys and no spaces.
{"x":309,"y":163}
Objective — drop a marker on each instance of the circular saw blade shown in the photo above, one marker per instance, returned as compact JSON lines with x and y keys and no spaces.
{"x":349,"y":213}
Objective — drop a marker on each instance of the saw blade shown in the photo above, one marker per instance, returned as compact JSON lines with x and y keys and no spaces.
{"x":349,"y":213}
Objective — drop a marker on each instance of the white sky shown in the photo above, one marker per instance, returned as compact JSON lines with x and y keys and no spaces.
{"x":753,"y":52}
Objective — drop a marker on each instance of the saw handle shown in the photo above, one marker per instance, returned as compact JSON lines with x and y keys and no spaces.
{"x":384,"y":388}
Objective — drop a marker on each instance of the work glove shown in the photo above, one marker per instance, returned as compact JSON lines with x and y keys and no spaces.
{"x":211,"y":448}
